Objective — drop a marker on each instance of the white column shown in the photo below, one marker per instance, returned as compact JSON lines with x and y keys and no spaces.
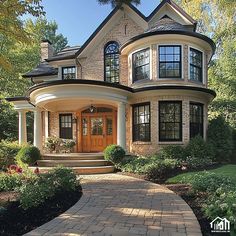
{"x":46,"y":124}
{"x":121,"y":125}
{"x":38,"y":129}
{"x":22,"y":127}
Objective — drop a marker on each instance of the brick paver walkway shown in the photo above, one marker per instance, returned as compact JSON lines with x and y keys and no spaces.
{"x":120,"y":205}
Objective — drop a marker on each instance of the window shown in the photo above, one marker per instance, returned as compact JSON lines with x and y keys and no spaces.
{"x":141,"y":65}
{"x":196,"y":119}
{"x":195,"y":65}
{"x":141,"y":122}
{"x":112,"y":62}
{"x":65,"y":126}
{"x":68,"y":72}
{"x":170,"y":121}
{"x":170,"y":61}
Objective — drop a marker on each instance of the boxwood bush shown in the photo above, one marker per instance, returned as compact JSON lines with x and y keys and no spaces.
{"x":28,"y":155}
{"x":114,"y":153}
{"x":9,"y":182}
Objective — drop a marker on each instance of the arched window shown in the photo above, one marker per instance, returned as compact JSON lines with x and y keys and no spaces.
{"x":111,"y":62}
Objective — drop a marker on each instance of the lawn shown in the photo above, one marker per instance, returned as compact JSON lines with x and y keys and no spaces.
{"x":226,"y":170}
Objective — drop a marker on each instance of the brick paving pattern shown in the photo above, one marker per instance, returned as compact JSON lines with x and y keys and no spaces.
{"x":119,"y":205}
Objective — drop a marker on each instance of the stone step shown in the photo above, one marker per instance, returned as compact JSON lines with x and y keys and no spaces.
{"x":73,"y":163}
{"x":82,"y":170}
{"x":74,"y":156}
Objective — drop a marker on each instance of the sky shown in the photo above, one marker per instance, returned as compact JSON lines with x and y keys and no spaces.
{"x":78,"y":19}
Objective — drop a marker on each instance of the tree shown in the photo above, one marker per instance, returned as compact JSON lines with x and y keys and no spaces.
{"x":11,"y":27}
{"x":115,"y":3}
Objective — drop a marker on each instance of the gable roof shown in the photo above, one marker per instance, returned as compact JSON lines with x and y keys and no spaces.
{"x":107,"y":19}
{"x":76,"y":53}
{"x":176,"y":7}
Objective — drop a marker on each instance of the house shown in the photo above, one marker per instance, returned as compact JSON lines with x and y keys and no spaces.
{"x":139,"y":82}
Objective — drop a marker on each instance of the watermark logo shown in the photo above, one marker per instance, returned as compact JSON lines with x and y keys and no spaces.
{"x":219,"y":225}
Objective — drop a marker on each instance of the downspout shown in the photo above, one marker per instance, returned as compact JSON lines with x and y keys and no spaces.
{"x":81,"y":69}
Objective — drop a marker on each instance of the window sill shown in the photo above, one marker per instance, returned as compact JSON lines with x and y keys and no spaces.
{"x":141,"y":143}
{"x":171,"y":78}
{"x":170,"y":143}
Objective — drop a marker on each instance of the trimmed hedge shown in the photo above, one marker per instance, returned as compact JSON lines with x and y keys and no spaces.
{"x":28,"y":155}
{"x":114,"y":153}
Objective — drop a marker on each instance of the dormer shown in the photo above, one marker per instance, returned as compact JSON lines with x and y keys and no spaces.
{"x":169,"y":10}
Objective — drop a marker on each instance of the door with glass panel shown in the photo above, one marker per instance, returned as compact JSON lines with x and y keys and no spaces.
{"x":98,"y":131}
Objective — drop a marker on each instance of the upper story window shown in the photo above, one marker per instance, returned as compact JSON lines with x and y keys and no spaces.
{"x":170,"y":121}
{"x":68,"y":72}
{"x":65,"y":126}
{"x":141,"y":122}
{"x":195,"y":65}
{"x":112,"y":62}
{"x":141,"y":65}
{"x":169,"y":61}
{"x":196,"y":119}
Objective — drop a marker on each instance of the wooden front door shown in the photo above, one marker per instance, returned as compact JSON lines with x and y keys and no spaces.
{"x":98,"y":130}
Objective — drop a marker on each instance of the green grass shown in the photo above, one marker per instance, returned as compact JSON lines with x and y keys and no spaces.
{"x":226,"y":170}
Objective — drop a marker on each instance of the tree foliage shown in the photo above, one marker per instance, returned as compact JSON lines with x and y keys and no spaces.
{"x":11,"y":27}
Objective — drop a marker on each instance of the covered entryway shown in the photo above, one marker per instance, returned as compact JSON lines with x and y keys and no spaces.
{"x":98,"y":128}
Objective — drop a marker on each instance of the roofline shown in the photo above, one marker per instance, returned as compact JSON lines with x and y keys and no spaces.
{"x":59,"y":59}
{"x":180,"y":32}
{"x":179,"y":9}
{"x":112,"y":13}
{"x":104,"y":23}
{"x":33,"y":76}
{"x":119,"y":86}
{"x":17,"y":98}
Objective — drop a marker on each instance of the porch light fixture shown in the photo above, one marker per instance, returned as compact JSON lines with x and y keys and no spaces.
{"x":92,"y":108}
{"x":74,"y":119}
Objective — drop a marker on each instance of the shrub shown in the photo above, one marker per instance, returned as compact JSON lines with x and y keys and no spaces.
{"x":161,"y":169}
{"x":52,"y":143}
{"x":114,"y":153}
{"x":8,"y":151}
{"x":198,"y":153}
{"x":222,"y":203}
{"x":209,"y":182}
{"x":9,"y":182}
{"x":233,"y":156}
{"x":28,"y":155}
{"x":35,"y":191}
{"x":59,"y":145}
{"x":220,"y":136}
{"x":173,"y":152}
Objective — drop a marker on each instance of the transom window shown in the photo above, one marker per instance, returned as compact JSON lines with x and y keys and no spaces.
{"x":68,"y":72}
{"x":141,"y":122}
{"x":170,"y":121}
{"x":141,"y":65}
{"x":112,"y":62}
{"x":170,"y":61}
{"x":195,"y":65}
{"x":65,"y":121}
{"x":196,"y":119}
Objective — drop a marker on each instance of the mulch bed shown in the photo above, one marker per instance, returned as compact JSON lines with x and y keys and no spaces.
{"x":16,"y":221}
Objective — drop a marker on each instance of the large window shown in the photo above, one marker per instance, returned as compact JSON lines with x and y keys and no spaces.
{"x":170,"y":121}
{"x":141,"y":122}
{"x":141,"y":65}
{"x":68,"y":72}
{"x":170,"y":61}
{"x":65,"y":121}
{"x":112,"y":62}
{"x":196,"y":119}
{"x":195,"y":65}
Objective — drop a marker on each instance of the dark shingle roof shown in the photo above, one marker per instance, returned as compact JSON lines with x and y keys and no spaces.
{"x":43,"y":69}
{"x":66,"y":53}
{"x":166,"y":23}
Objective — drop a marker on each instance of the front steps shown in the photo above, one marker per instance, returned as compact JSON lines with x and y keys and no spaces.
{"x":81,"y":163}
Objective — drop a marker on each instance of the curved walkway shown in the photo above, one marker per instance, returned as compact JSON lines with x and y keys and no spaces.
{"x":115,"y":204}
